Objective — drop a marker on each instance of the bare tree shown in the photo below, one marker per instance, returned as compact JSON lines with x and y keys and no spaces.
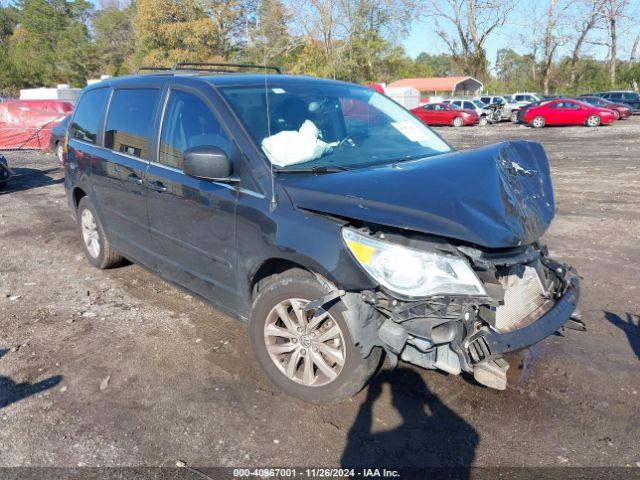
{"x":634,"y":50}
{"x":589,"y":14}
{"x":613,"y":11}
{"x":554,"y":36}
{"x":470,"y":23}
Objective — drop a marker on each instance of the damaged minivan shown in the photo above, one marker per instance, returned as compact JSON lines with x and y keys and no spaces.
{"x":326,"y":216}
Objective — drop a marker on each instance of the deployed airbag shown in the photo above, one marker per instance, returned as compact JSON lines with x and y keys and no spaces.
{"x":291,"y":147}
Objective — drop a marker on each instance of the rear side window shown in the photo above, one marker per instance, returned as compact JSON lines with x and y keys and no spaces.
{"x":89,"y":114}
{"x":617,"y":96}
{"x":188,"y":122}
{"x":130,"y":121}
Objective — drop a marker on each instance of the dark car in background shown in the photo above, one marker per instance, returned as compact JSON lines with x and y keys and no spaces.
{"x":630,"y":98}
{"x":621,"y":110}
{"x":326,"y":216}
{"x":56,"y":141}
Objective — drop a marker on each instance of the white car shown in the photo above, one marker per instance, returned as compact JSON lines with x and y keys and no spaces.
{"x":525,"y":98}
{"x":476,"y":105}
{"x":509,"y":106}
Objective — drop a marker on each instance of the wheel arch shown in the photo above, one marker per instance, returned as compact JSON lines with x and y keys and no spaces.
{"x":77,"y":195}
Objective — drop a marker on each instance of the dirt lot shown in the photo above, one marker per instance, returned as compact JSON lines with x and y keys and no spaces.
{"x":105,"y":368}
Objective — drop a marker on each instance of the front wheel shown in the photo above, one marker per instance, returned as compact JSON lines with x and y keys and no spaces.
{"x":537,"y":122}
{"x":312,"y":357}
{"x":483,"y":121}
{"x":514,"y":117}
{"x":593,"y":121}
{"x":457,"y":122}
{"x":616,"y":114}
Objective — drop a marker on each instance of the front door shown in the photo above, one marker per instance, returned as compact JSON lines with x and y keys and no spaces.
{"x":192,"y":221}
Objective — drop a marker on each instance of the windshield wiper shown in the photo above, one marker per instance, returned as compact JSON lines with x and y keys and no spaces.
{"x":316,"y":169}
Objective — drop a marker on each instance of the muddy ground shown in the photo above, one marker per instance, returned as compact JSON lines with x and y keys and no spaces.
{"x":106,"y":368}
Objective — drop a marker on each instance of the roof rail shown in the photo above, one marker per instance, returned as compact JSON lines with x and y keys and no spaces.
{"x":152,"y":69}
{"x":222,"y":67}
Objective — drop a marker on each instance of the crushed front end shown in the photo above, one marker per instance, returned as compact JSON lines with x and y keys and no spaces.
{"x":526,"y":297}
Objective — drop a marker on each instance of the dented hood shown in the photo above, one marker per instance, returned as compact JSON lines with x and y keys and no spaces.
{"x":497,"y":196}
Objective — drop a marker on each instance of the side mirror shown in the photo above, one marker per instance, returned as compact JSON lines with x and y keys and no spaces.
{"x":208,"y":163}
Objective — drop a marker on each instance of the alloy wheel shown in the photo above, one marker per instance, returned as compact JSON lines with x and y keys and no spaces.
{"x":308,"y":349}
{"x":60,"y":152}
{"x":593,"y":121}
{"x":538,"y":122}
{"x":90,"y":233}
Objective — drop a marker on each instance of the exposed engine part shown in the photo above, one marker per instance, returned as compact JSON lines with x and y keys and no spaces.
{"x":492,"y":373}
{"x":393,"y":335}
{"x":414,"y":356}
{"x":524,"y":294}
{"x":447,"y":360}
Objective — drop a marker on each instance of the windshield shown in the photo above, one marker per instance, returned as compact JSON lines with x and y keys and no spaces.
{"x":479,"y":104}
{"x":315,"y":126}
{"x":508,"y":98}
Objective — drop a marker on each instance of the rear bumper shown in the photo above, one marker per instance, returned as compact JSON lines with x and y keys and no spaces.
{"x":492,"y":344}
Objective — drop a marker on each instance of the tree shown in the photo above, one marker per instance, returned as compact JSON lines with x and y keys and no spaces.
{"x":114,"y":38}
{"x":269,"y":40}
{"x":439,"y":65}
{"x":188,"y":30}
{"x":469,"y":24}
{"x":554,"y":36}
{"x":613,"y":11}
{"x":50,"y":43}
{"x":588,"y":14}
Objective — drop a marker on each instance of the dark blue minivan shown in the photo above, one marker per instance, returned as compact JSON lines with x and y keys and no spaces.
{"x":326,"y":216}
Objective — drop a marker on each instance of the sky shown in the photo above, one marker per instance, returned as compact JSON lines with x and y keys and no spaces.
{"x":422,"y":35}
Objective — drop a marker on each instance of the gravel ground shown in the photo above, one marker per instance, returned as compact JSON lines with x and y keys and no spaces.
{"x":119,"y":368}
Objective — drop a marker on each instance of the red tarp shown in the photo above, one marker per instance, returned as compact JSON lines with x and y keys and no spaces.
{"x":28,"y":123}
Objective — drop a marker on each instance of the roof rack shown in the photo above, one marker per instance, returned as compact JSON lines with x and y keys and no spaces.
{"x":222,"y":67}
{"x":152,"y":69}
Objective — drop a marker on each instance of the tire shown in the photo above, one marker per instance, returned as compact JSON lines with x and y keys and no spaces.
{"x":278,"y":291}
{"x":593,"y":121}
{"x":538,"y":122}
{"x":483,"y":121}
{"x":457,"y":122}
{"x":617,"y":114}
{"x":514,"y":117}
{"x":60,"y":152}
{"x":100,"y":254}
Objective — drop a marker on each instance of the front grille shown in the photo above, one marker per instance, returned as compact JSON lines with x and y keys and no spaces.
{"x":524,"y":294}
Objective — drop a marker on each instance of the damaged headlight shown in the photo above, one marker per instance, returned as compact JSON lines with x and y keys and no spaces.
{"x":409,"y":272}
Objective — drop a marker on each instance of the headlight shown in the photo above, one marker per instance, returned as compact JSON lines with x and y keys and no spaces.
{"x":409,"y":272}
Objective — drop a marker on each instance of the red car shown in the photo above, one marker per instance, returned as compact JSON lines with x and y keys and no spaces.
{"x":445,"y":114}
{"x":564,"y":111}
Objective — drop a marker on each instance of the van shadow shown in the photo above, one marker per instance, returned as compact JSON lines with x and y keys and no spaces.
{"x":28,"y":178}
{"x":630,"y":325}
{"x":12,"y":392}
{"x":431,"y":434}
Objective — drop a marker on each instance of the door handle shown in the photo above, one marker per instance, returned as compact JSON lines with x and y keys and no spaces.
{"x":133,"y":178}
{"x":157,"y":186}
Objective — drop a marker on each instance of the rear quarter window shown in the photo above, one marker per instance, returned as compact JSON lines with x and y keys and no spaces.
{"x":88,"y":115}
{"x":130,"y":121}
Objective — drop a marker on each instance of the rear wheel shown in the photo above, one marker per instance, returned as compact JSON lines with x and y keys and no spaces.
{"x":514,"y":117}
{"x":60,"y":152}
{"x":538,"y":122}
{"x":95,"y":243}
{"x":593,"y":121}
{"x":616,"y":113}
{"x":457,"y":122}
{"x":310,"y":357}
